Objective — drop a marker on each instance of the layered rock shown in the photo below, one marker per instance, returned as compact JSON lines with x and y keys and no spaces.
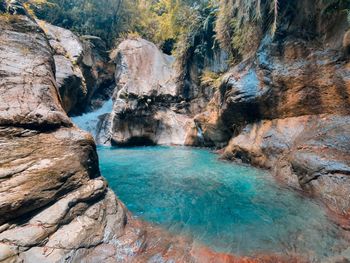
{"x":54,"y":206}
{"x":147,"y":108}
{"x":81,"y":66}
{"x":287,"y":108}
{"x":49,"y":176}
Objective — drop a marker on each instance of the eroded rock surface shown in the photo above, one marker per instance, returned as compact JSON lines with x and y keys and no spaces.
{"x":28,"y":88}
{"x":50,"y":186}
{"x":287,"y":109}
{"x":81,"y":66}
{"x":147,"y":108}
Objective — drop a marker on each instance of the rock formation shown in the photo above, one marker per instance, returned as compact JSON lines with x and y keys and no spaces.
{"x":287,"y":108}
{"x":147,"y":108}
{"x":81,"y":66}
{"x":50,"y":185}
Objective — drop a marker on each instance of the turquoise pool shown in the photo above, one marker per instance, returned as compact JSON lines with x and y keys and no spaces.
{"x":228,"y":207}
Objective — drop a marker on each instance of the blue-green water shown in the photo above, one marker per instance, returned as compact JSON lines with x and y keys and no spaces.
{"x":228,"y":207}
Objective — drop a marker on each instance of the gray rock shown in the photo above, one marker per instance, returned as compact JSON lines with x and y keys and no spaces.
{"x":146,"y":102}
{"x":82,"y":67}
{"x":143,"y":70}
{"x":28,"y":94}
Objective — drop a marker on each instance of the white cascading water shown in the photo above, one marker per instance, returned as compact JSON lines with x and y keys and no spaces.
{"x":199,"y":133}
{"x":89,"y":121}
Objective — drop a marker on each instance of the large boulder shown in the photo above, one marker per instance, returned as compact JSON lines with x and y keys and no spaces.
{"x":147,"y":108}
{"x":310,"y":153}
{"x":28,"y":88}
{"x":143,"y":70}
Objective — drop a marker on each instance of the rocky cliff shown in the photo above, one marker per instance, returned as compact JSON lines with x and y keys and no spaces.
{"x":53,"y":201}
{"x":285,"y":106}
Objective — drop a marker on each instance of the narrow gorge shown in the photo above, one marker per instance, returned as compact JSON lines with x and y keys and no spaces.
{"x":224,"y":137}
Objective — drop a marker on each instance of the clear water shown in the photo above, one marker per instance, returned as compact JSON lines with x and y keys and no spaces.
{"x":228,"y":207}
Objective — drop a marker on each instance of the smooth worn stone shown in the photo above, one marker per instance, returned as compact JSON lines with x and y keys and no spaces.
{"x":69,"y":163}
{"x":28,"y":96}
{"x":307,"y":152}
{"x":82,"y":68}
{"x":146,"y":104}
{"x":143,"y":70}
{"x":8,"y":253}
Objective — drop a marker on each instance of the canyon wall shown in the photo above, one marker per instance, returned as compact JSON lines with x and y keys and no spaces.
{"x":84,"y":75}
{"x":286,"y":106}
{"x":53,"y":202}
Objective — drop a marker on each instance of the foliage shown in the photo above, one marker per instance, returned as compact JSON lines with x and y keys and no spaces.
{"x":165,"y":22}
{"x":101,"y":18}
{"x":209,"y":78}
{"x":173,"y":24}
{"x":159,"y":21}
{"x":240,"y":24}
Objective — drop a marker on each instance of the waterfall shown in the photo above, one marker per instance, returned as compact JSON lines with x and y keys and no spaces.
{"x":199,"y":132}
{"x":89,"y":121}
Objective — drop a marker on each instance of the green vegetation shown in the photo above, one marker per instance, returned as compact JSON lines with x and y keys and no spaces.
{"x":172,"y":24}
{"x":177,"y":26}
{"x":240,"y":24}
{"x":212,"y":79}
{"x":160,"y":21}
